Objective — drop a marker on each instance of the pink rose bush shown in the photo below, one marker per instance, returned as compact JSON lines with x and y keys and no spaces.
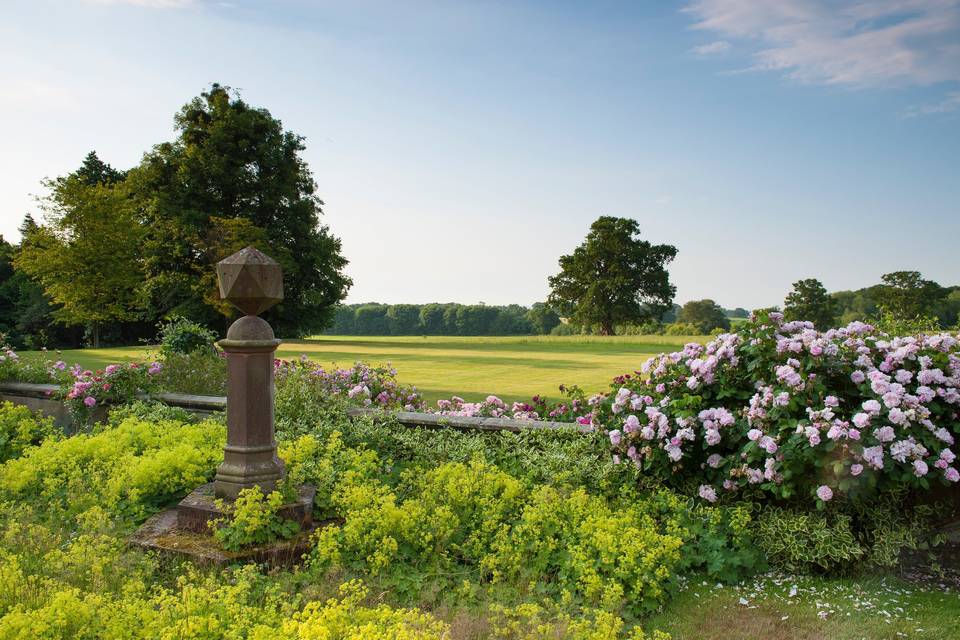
{"x":116,"y":383}
{"x":361,"y":384}
{"x":784,"y":410}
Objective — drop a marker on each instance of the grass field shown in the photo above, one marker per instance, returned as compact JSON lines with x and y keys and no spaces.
{"x":514,"y":368}
{"x":811,"y":608}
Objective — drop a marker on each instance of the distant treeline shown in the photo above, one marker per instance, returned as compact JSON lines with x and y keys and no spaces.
{"x":941,"y":304}
{"x":442,"y":319}
{"x":453,"y":319}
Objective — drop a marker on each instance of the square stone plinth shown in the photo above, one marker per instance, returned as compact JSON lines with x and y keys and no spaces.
{"x":198,"y":508}
{"x":183,"y":530}
{"x":160,"y":533}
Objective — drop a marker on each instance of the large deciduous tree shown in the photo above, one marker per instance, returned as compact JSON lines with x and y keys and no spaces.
{"x":907,"y":295}
{"x":613,"y":277}
{"x":809,"y":300}
{"x":706,"y":315}
{"x":234,"y":176}
{"x":86,"y":255}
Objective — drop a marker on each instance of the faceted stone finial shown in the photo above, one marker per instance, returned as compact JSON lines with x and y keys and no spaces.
{"x":250,"y":280}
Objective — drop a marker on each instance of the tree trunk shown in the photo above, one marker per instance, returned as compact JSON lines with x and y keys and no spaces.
{"x":96,"y":335}
{"x":606,"y":328}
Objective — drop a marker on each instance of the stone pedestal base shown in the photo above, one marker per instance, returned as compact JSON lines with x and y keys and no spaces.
{"x":198,"y":508}
{"x":183,"y":530}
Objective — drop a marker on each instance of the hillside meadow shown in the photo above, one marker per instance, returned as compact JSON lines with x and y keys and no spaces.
{"x":512,"y":367}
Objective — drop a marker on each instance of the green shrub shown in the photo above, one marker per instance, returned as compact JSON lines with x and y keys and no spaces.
{"x":540,"y":457}
{"x":202,"y":372}
{"x":130,"y":470}
{"x":806,"y":541}
{"x":150,"y":411}
{"x":614,"y":558}
{"x":564,"y":329}
{"x":681,"y":329}
{"x":326,"y":465}
{"x":717,"y":541}
{"x":20,"y":428}
{"x":183,"y":336}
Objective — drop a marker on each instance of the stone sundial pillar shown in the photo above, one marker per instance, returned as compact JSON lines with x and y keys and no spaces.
{"x":252,"y":282}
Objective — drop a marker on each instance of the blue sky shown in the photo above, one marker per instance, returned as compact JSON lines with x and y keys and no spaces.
{"x":462,"y":147}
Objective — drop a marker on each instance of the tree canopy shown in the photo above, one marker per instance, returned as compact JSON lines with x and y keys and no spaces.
{"x":809,"y":300}
{"x":613,"y":277}
{"x":706,"y":315}
{"x":235,"y":177}
{"x":118,"y":246}
{"x":86,"y":254}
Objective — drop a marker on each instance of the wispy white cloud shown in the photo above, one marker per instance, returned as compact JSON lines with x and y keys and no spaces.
{"x":152,"y":4}
{"x":713,"y":48}
{"x":949,"y":104}
{"x":864,"y":43}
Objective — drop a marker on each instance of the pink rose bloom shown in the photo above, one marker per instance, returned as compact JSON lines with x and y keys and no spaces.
{"x":885,"y":434}
{"x":920,"y":468}
{"x":754,"y":434}
{"x":90,"y":401}
{"x":853,"y":434}
{"x":951,"y":474}
{"x":768,"y":444}
{"x":856,"y":469}
{"x":615,"y":437}
{"x":825,"y":493}
{"x":708,"y":493}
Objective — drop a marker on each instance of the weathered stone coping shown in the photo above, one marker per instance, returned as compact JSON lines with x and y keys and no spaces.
{"x":196,"y":404}
{"x":40,"y":397}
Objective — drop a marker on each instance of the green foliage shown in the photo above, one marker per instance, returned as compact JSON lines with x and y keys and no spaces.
{"x":566,"y":329}
{"x":613,"y":558}
{"x":181,"y":336}
{"x":149,"y":411}
{"x":20,"y":428}
{"x":325,"y":464}
{"x":807,"y":541}
{"x":717,"y":541}
{"x":252,"y":520}
{"x":130,"y":469}
{"x":906,"y":294}
{"x":537,"y":457}
{"x":453,"y":319}
{"x":87,"y":254}
{"x":809,"y":300}
{"x":613,"y":277}
{"x":681,"y":329}
{"x":548,"y":621}
{"x":201,"y":372}
{"x":705,"y":315}
{"x":542,"y":318}
{"x":897,"y":325}
{"x":234,"y":177}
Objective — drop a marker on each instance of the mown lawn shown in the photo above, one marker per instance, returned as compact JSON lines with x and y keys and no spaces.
{"x":514,"y":367}
{"x":811,"y":608}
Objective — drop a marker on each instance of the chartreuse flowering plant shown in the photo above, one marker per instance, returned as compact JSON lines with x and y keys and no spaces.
{"x":252,"y":520}
{"x":787,"y":412}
